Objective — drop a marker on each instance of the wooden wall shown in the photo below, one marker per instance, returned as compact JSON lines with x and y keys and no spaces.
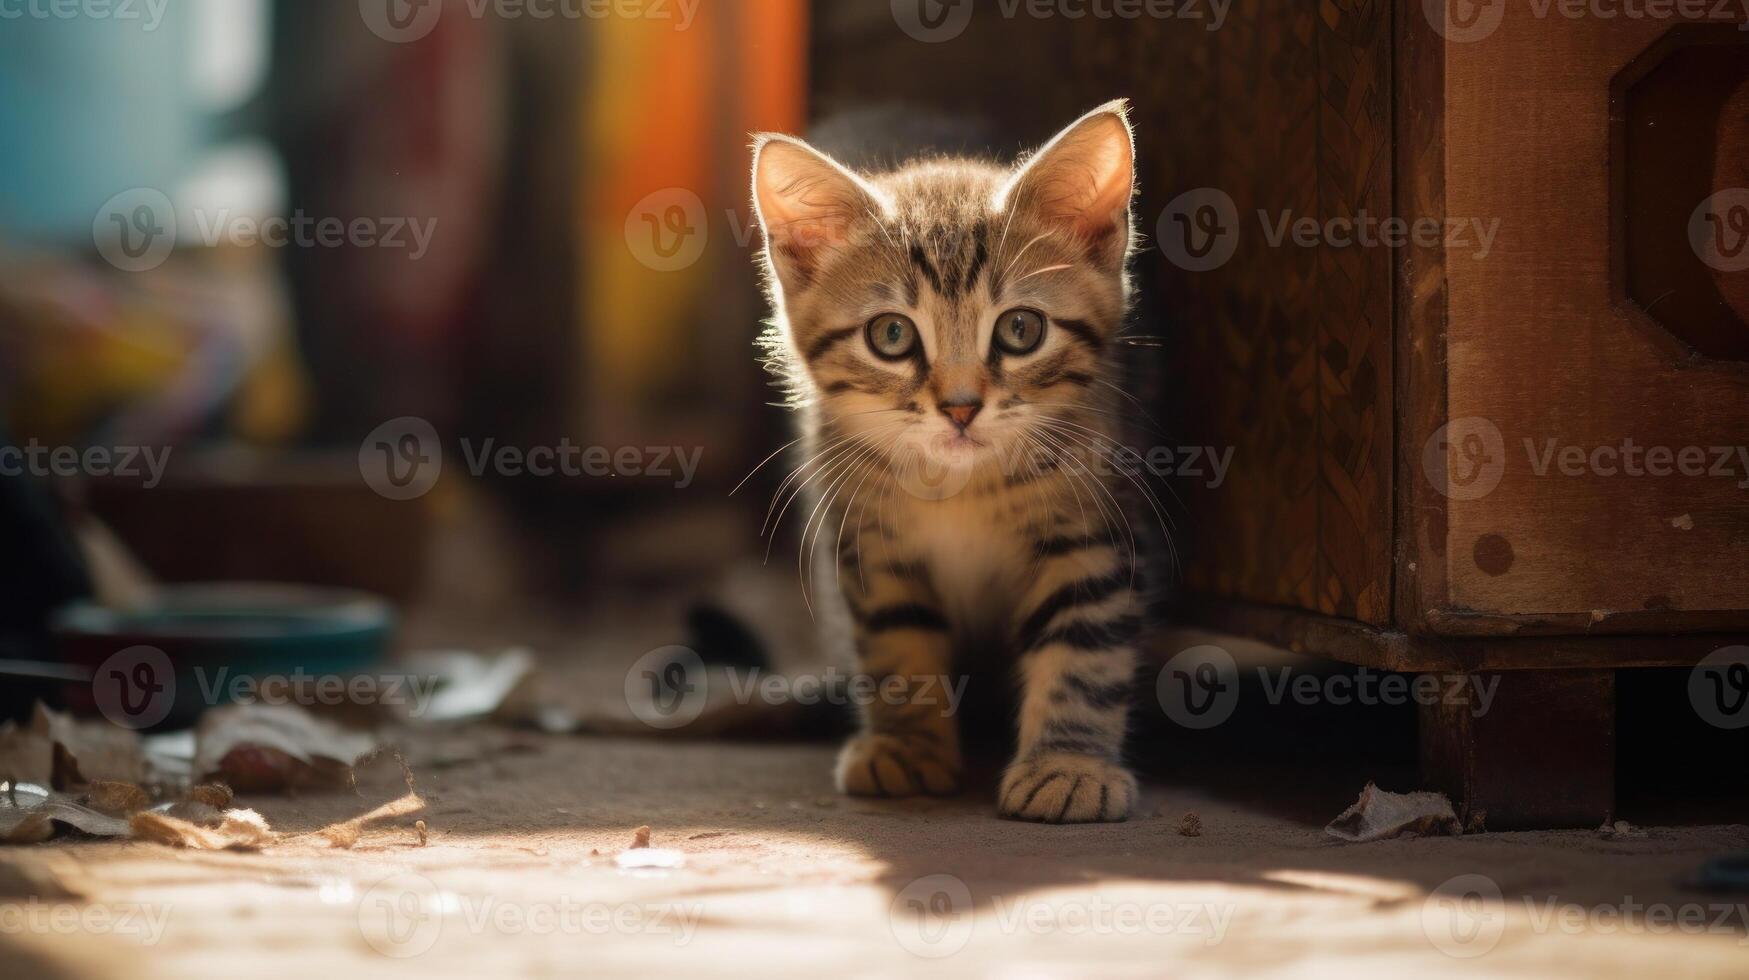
{"x":1283,"y":353}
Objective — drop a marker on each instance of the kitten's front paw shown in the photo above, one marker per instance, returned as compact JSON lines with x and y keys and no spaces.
{"x":1062,"y":787}
{"x":893,"y":765}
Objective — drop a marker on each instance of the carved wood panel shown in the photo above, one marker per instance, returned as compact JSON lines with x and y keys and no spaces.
{"x":1284,"y":351}
{"x":1569,"y":385}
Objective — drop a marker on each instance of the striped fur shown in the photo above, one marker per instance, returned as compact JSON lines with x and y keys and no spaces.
{"x":930,"y":534}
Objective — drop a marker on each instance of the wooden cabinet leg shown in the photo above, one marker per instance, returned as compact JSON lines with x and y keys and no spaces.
{"x":1539,"y":752}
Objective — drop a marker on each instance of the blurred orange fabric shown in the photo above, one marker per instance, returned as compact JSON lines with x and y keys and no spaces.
{"x":669,"y":112}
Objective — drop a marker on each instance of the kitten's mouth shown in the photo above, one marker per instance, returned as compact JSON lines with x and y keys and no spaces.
{"x":949,"y":448}
{"x":958,"y":448}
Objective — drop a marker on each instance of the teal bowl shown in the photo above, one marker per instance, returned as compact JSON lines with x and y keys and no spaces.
{"x":159,"y":665}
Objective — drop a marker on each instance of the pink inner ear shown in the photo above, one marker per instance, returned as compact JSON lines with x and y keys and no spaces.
{"x":806,"y":234}
{"x":806,"y":203}
{"x":1085,"y":179}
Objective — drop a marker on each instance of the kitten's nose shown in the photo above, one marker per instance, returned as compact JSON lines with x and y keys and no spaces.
{"x":962,"y":412}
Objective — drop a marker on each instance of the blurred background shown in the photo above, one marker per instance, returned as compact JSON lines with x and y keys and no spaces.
{"x":478,"y":183}
{"x":251,"y":234}
{"x":416,"y":338}
{"x":325,"y":260}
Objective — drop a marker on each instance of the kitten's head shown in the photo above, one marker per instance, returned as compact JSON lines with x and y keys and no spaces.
{"x":952,"y":308}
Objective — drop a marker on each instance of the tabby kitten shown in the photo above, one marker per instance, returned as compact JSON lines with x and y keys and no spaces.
{"x":947,"y":329}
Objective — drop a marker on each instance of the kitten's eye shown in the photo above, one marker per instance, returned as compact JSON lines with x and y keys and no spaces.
{"x":892,"y":336}
{"x":1020,"y":331}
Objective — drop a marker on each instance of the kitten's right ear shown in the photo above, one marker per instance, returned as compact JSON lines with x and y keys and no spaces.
{"x":807,"y":204}
{"x":1083,"y":180}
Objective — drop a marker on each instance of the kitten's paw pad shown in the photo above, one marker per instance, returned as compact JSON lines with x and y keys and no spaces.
{"x":891,"y":765}
{"x":1066,"y":788}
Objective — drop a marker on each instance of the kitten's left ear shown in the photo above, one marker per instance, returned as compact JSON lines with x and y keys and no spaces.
{"x":1082,"y":179}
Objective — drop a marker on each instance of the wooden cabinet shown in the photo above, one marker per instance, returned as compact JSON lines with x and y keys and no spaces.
{"x":1477,"y":266}
{"x":1594,"y":343}
{"x":1512,"y":443}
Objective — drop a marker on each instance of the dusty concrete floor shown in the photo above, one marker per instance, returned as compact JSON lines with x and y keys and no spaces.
{"x":783,"y":878}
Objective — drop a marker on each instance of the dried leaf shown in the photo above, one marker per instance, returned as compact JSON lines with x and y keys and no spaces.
{"x":237,"y":830}
{"x":115,"y":799}
{"x":246,"y":828}
{"x":1380,"y":814}
{"x":263,"y":748}
{"x":31,"y":813}
{"x":346,"y":833}
{"x":215,"y":795}
{"x":470,"y":686}
{"x":193,"y":811}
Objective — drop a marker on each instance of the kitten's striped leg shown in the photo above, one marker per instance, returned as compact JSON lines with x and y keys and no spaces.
{"x":1078,"y":628}
{"x":908,"y":745}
